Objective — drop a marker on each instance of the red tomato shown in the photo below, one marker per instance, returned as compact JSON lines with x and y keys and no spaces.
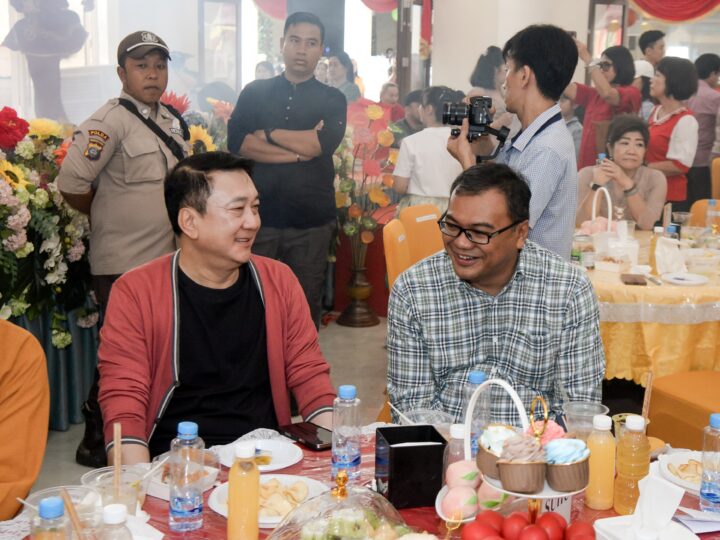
{"x":581,"y":537}
{"x":550,"y":526}
{"x":533,"y":532}
{"x":557,"y":517}
{"x":513,"y":524}
{"x":477,"y":531}
{"x":492,"y":518}
{"x":577,"y":530}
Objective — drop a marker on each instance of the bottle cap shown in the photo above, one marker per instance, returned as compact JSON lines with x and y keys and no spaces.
{"x":635,"y":422}
{"x":51,"y":508}
{"x":187,"y":430}
{"x":245,"y":449}
{"x":457,"y":431}
{"x":715,"y":420}
{"x":672,"y":228}
{"x":658,"y":230}
{"x":114,"y":514}
{"x":477,"y":377}
{"x":347,"y":391}
{"x":602,"y":422}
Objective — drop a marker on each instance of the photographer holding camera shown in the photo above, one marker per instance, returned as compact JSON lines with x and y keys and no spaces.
{"x":540,"y":61}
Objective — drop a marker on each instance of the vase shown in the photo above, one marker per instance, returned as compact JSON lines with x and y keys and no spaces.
{"x":358,"y":313}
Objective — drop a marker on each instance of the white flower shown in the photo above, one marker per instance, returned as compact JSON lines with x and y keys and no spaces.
{"x":88,"y":321}
{"x":41,"y":198}
{"x":22,"y":195}
{"x":24,"y":251}
{"x":61,"y":338}
{"x":50,"y":244}
{"x":57,"y":275}
{"x":5,"y":312}
{"x":25,"y":149}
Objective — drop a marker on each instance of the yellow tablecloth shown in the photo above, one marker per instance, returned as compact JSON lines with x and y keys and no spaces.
{"x":664,"y":328}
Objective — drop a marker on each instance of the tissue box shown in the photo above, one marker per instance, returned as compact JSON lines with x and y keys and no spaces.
{"x":408,"y":464}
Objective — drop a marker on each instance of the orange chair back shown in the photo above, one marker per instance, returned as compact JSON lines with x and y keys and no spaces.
{"x":397,"y":250}
{"x":698,"y":213}
{"x":715,"y":176}
{"x":422,"y":230}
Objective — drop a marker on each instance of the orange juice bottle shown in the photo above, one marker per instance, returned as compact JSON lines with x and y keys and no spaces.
{"x":243,"y":494}
{"x":601,"y":443}
{"x":633,"y":464}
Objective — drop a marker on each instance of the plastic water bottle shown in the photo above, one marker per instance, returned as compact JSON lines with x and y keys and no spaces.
{"x":480,"y":415}
{"x":710,"y":486}
{"x":186,"y":474}
{"x":346,"y":432}
{"x":455,"y":449}
{"x":633,"y":464}
{"x":51,"y":521}
{"x":672,"y":232}
{"x":114,"y":518}
{"x":712,"y":214}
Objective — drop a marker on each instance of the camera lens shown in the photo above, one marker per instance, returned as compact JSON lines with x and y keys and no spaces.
{"x":453,"y":113}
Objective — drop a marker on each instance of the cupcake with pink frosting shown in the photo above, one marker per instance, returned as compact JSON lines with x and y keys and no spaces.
{"x":552,"y":431}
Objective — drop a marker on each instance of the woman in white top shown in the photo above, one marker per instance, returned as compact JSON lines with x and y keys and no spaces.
{"x":425,"y":169}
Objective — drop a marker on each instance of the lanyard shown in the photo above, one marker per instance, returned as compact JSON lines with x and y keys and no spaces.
{"x":550,"y":121}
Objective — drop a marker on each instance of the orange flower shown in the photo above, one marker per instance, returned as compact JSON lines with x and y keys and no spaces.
{"x":392,"y":157}
{"x":384,"y":200}
{"x":371,"y":167}
{"x":61,"y":151}
{"x":341,"y":199}
{"x":354,"y":211}
{"x":378,"y":196}
{"x":388,"y":180}
{"x":221,"y":109}
{"x":366,"y":237}
{"x":375,"y":112}
{"x":385,"y":138}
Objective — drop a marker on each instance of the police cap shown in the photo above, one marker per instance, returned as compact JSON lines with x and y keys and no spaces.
{"x":138,"y":44}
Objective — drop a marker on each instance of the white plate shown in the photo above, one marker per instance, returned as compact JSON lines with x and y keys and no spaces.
{"x":438,"y":501}
{"x":688,"y":280}
{"x":283,"y":454}
{"x":218,"y":498}
{"x":546,"y":493}
{"x":677,"y":459}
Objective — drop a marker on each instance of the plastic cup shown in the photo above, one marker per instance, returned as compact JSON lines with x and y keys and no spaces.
{"x":86,"y":500}
{"x":132,"y":491}
{"x":579,"y":417}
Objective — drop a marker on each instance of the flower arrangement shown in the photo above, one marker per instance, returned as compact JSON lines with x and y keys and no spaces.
{"x":208,"y":130}
{"x":363,"y":173}
{"x":43,"y":261}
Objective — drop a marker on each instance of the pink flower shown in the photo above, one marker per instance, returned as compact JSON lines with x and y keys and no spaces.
{"x":15,"y":241}
{"x":76,"y":252}
{"x":19,"y":220}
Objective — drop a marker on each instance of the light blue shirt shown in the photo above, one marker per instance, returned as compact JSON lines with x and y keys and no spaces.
{"x":546,"y":159}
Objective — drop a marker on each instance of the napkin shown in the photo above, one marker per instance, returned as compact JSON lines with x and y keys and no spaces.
{"x":140,"y":529}
{"x":699,"y":522}
{"x":260,"y":434}
{"x":656,"y":506}
{"x":668,"y":257}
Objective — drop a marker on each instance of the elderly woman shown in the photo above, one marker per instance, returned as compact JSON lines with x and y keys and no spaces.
{"x":613,"y":94}
{"x":635,"y":188}
{"x":673,"y":128}
{"x":341,"y":76}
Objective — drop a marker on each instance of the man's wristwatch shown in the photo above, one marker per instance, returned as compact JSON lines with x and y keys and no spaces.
{"x":594,"y":186}
{"x":632,"y":191}
{"x":268,"y":138}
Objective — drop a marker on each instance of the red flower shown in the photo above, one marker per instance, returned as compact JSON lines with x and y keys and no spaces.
{"x":12,"y":128}
{"x":179,"y":103}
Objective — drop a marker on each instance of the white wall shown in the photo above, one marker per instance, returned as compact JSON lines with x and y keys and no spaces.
{"x":463,"y":29}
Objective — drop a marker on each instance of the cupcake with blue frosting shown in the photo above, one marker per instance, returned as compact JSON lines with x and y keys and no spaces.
{"x":567,"y":464}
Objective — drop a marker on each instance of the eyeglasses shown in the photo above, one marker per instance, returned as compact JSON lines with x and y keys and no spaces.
{"x":605,"y":66}
{"x":476,"y":237}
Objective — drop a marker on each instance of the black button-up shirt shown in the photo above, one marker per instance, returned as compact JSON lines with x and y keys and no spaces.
{"x":298,"y":195}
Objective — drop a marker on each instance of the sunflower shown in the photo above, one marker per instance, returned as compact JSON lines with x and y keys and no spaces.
{"x":200,"y":140}
{"x":44,"y":128}
{"x":375,"y":112}
{"x":12,"y":174}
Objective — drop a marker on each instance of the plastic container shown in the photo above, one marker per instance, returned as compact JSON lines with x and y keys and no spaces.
{"x":243,"y":494}
{"x":186,"y":473}
{"x":346,"y":432}
{"x":712,"y":214}
{"x":633,"y":464}
{"x":710,"y":483}
{"x":601,"y":443}
{"x":114,"y":528}
{"x":657,"y":233}
{"x":455,"y":449}
{"x":579,"y":417}
{"x":481,"y":412}
{"x":51,"y":523}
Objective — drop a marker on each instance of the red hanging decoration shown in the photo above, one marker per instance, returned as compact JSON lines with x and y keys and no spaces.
{"x":277,"y":9}
{"x":677,"y":10}
{"x":381,"y":6}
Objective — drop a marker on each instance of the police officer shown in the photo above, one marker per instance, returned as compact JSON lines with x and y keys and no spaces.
{"x":114,"y":171}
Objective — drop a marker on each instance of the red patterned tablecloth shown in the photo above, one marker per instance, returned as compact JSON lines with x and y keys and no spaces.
{"x":316,"y":465}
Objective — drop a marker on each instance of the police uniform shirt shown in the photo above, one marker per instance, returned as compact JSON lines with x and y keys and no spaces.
{"x":116,"y":154}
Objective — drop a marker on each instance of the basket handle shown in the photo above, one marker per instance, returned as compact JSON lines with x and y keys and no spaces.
{"x":609,"y":205}
{"x":473,"y":400}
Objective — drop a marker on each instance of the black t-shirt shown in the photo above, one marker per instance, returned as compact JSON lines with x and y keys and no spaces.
{"x":300,"y":194}
{"x":224,"y":377}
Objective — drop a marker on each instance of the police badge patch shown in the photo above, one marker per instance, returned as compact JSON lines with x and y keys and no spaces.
{"x":93,"y":150}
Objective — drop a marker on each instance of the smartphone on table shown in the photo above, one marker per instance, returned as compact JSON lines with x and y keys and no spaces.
{"x":309,"y":435}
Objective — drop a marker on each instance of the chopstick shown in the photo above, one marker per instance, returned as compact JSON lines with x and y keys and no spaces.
{"x":23,"y":501}
{"x":117,"y":458}
{"x":648,"y":393}
{"x":400,"y":414}
{"x":70,"y":507}
{"x":152,"y":471}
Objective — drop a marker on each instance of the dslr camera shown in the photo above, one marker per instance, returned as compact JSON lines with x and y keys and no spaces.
{"x":477,"y":113}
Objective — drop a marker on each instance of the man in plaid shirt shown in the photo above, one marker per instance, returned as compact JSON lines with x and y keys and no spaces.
{"x":492,"y":301}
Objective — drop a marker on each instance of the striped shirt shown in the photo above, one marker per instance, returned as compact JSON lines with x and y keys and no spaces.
{"x":545,"y":156}
{"x":541,"y":334}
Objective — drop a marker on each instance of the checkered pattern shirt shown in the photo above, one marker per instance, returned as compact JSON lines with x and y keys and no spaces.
{"x":541,"y":334}
{"x":547,"y":161}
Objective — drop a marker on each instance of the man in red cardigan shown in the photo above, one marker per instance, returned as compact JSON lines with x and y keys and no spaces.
{"x":210,"y":333}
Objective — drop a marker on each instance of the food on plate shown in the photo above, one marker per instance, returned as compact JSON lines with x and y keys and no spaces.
{"x":490,"y":525}
{"x":462,"y":473}
{"x":513,"y":524}
{"x":552,"y":431}
{"x":522,"y":449}
{"x":522,"y":465}
{"x":690,"y":471}
{"x":563,"y":451}
{"x":489,"y":497}
{"x":494,"y":437}
{"x":263,"y":457}
{"x":532,"y":532}
{"x":352,"y":523}
{"x":277,"y":500}
{"x":459,"y":503}
{"x":489,"y":517}
{"x":477,"y":531}
{"x":568,"y":468}
{"x":579,"y":530}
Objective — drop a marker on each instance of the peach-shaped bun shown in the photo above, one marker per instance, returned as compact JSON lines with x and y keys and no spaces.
{"x":462,"y":473}
{"x":488,"y":493}
{"x":459,"y":503}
